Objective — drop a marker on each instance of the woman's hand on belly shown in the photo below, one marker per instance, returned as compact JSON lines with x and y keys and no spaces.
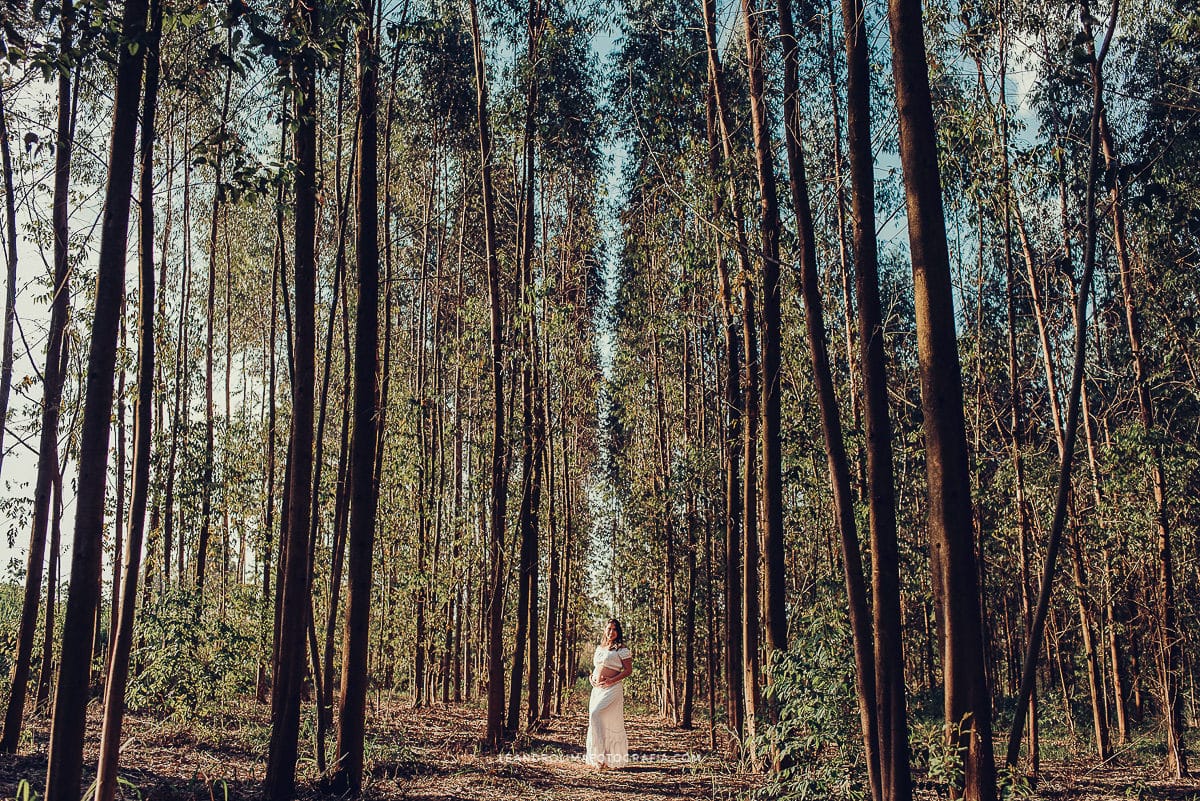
{"x":601,"y":674}
{"x":606,"y":675}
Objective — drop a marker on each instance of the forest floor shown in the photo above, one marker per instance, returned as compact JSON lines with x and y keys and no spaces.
{"x":432,"y":755}
{"x":429,"y":754}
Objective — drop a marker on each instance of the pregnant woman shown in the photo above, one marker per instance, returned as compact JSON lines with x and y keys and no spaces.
{"x":607,"y":746}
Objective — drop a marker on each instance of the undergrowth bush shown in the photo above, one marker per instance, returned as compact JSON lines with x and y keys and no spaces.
{"x":816,"y":745}
{"x":189,"y":659}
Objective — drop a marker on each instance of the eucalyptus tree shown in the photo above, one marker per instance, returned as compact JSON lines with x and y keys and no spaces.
{"x":53,"y":376}
{"x":352,"y":704}
{"x":118,"y":671}
{"x":871,"y":707}
{"x":1161,"y":198}
{"x":1169,"y":638}
{"x":499,"y":479}
{"x":660,"y":271}
{"x":967,"y":696}
{"x":719,"y":127}
{"x":64,"y":772}
{"x":881,"y":493}
{"x":10,"y":278}
{"x":772,"y":435}
{"x":304,"y":23}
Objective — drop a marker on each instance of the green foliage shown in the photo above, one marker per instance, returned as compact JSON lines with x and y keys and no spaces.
{"x":25,"y":791}
{"x":816,"y":743}
{"x":190,"y":659}
{"x":1014,"y":784}
{"x":937,"y":754}
{"x":11,"y":596}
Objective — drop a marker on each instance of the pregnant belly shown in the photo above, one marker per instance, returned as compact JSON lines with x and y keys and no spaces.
{"x":606,"y":673}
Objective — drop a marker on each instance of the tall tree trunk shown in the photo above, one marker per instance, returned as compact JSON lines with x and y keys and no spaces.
{"x":1113,"y":620}
{"x":1067,"y":450}
{"x":535,"y":501}
{"x":272,"y":416}
{"x":285,"y":691}
{"x":870,"y":707}
{"x":178,"y":423}
{"x":321,"y":672}
{"x":118,"y":670}
{"x":751,"y":389}
{"x":952,"y":540}
{"x":499,"y":483}
{"x":844,"y":254}
{"x":421,"y":590}
{"x":70,"y":698}
{"x":664,"y":519}
{"x":341,"y":521}
{"x":365,"y":494}
{"x":531,"y":459}
{"x":690,"y":524}
{"x":1016,"y":410}
{"x":461,"y":578}
{"x":554,"y":557}
{"x":1170,"y":639}
{"x":158,"y":580}
{"x":772,"y":437}
{"x":750,"y":544}
{"x":210,"y":321}
{"x":722,"y":157}
{"x":10,"y":283}
{"x":53,"y":378}
{"x":566,"y":618}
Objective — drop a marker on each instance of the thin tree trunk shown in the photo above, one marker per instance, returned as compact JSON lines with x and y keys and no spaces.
{"x":843,"y":245}
{"x":750,"y":544}
{"x":564,"y":642}
{"x":1090,"y":655}
{"x":554,"y":557}
{"x":690,"y":524}
{"x":1112,"y":619}
{"x":1170,"y":640}
{"x":181,"y":356}
{"x":1016,"y":417}
{"x":119,"y":514}
{"x":499,"y":484}
{"x":10,"y":284}
{"x":285,"y":691}
{"x":206,"y":480}
{"x":365,"y":494}
{"x":44,"y":673}
{"x":1067,"y":451}
{"x":65,"y":768}
{"x":53,"y":378}
{"x":719,"y":128}
{"x":272,"y":416}
{"x":772,"y":438}
{"x":321,"y":667}
{"x":870,"y":707}
{"x":118,"y":670}
{"x":158,"y":582}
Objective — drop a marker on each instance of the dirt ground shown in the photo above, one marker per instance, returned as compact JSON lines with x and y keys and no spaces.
{"x":432,"y":754}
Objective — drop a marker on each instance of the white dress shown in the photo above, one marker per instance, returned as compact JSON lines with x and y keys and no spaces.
{"x":606,"y":741}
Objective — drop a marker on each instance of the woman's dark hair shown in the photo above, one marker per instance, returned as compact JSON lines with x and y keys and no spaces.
{"x":620,"y":640}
